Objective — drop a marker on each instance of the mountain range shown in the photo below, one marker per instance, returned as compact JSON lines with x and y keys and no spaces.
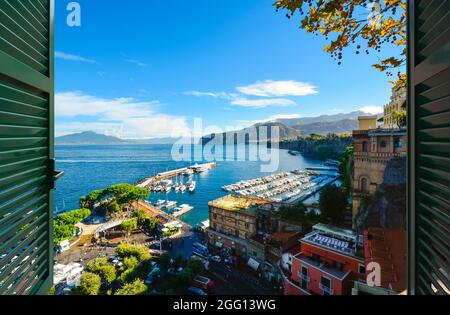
{"x":289,"y":129}
{"x":93,"y":138}
{"x":293,"y":128}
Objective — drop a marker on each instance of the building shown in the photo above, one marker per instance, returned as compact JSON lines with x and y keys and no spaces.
{"x":241,"y":226}
{"x":372,"y":150}
{"x":233,"y":224}
{"x":67,"y":276}
{"x":329,"y":261}
{"x":387,"y":247}
{"x":397,"y":103}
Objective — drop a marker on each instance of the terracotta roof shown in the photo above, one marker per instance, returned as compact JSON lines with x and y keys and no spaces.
{"x":388,"y":248}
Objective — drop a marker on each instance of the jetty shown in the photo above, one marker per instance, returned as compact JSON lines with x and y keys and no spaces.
{"x":181,"y":210}
{"x":147,"y":182}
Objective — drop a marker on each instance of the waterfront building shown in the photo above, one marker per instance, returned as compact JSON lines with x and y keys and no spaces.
{"x":329,"y":260}
{"x":397,"y":103}
{"x":387,"y":247}
{"x":233,"y":222}
{"x":372,"y":150}
{"x":252,"y":231}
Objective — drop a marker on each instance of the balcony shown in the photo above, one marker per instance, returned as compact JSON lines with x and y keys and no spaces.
{"x":326,"y":290}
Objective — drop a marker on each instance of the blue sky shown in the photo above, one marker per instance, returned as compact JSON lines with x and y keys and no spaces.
{"x":147,"y":68}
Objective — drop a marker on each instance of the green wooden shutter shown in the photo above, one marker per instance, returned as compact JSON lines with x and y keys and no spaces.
{"x":26,"y":146}
{"x":429,"y":155}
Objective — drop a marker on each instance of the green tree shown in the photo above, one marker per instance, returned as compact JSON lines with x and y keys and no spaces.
{"x":101,"y":267}
{"x":195,"y":266}
{"x":64,"y":225}
{"x":127,"y":250}
{"x":90,"y":284}
{"x":333,"y":203}
{"x":137,"y":287}
{"x":141,"y":216}
{"x":114,"y":206}
{"x":74,"y":216}
{"x":151,"y":224}
{"x":126,"y":194}
{"x":164,"y":261}
{"x":129,"y":226}
{"x":399,"y":118}
{"x":345,"y":169}
{"x":373,"y":24}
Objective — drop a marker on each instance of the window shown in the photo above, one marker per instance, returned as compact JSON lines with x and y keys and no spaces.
{"x":304,"y":279}
{"x":398,"y":142}
{"x":325,"y":286}
{"x":247,"y":225}
{"x":365,"y":146}
{"x":383,"y":144}
{"x":362,"y":269}
{"x":363,"y":185}
{"x":337,"y":265}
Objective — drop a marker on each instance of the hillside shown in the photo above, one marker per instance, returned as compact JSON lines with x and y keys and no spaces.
{"x":88,"y":138}
{"x":292,"y":129}
{"x":93,"y":138}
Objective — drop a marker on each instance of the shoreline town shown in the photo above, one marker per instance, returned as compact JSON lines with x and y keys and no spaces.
{"x":259,"y":237}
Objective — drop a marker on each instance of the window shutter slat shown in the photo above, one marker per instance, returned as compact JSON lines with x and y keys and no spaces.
{"x":26,"y":140}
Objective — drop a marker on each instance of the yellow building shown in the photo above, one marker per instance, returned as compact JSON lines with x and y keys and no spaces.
{"x":232,"y":222}
{"x":396,"y":103}
{"x":372,"y":150}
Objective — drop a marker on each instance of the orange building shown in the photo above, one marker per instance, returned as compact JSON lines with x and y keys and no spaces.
{"x":329,"y":261}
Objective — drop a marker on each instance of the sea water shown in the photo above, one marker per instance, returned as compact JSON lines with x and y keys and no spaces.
{"x":93,"y":167}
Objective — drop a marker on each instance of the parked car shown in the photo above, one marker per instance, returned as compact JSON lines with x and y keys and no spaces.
{"x":196,"y":291}
{"x":217,"y":259}
{"x":203,"y":283}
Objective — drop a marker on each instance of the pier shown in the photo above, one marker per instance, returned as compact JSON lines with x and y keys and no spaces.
{"x":145,"y":183}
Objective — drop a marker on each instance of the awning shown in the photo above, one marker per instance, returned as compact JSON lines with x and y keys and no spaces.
{"x":219,"y":244}
{"x":253,"y":264}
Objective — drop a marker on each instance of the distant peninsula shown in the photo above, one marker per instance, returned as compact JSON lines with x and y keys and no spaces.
{"x":93,"y":138}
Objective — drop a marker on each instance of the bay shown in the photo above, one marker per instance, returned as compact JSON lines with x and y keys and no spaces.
{"x":89,"y":168}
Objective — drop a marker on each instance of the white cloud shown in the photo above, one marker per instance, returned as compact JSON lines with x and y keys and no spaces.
{"x":65,"y":56}
{"x":271,"y":88}
{"x":261,"y":103}
{"x":123,"y":117}
{"x":137,"y":63}
{"x":373,"y":110}
{"x":221,"y":95}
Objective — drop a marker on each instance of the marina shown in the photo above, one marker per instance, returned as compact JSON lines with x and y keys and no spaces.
{"x":163,"y":182}
{"x":286,"y":187}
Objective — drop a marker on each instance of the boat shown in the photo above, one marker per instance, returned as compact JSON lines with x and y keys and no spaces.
{"x":183,"y":188}
{"x":192,"y":185}
{"x":188,"y":172}
{"x":160,"y":202}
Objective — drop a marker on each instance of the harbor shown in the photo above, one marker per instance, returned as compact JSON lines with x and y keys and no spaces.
{"x":286,"y":187}
{"x":164,"y":182}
